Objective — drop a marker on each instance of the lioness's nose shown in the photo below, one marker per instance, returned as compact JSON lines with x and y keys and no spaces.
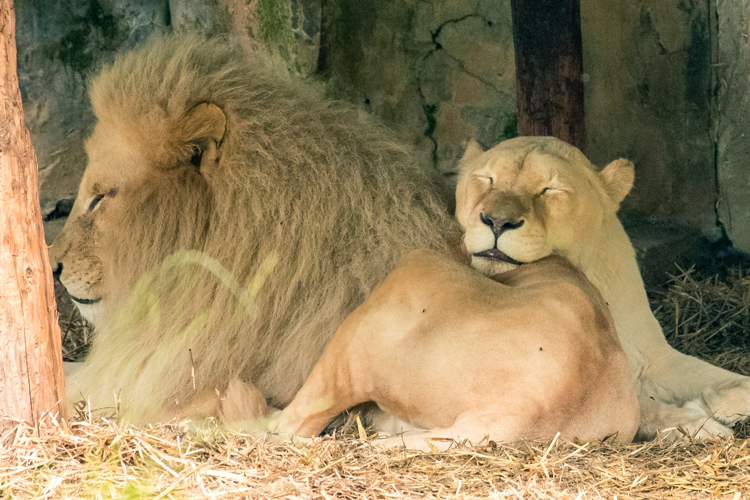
{"x":498,"y":225}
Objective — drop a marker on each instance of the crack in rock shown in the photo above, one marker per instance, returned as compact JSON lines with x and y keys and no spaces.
{"x":438,"y":46}
{"x":429,"y":111}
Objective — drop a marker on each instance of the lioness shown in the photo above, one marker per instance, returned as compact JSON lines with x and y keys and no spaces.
{"x":439,"y":346}
{"x":531,"y":197}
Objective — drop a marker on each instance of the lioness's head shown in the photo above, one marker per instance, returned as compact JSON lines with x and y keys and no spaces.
{"x":530,"y":197}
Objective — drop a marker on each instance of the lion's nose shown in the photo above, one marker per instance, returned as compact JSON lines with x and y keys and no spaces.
{"x":57,"y":271}
{"x":499,"y":226}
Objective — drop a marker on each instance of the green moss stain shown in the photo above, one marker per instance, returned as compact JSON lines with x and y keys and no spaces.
{"x":275,"y":22}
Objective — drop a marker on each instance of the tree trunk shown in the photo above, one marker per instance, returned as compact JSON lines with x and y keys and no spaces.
{"x":32,"y":384}
{"x":549,"y":69}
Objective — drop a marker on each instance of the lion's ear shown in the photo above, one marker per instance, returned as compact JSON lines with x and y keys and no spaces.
{"x":208,"y":125}
{"x":618,"y":178}
{"x":473,"y":151}
{"x":209,"y":122}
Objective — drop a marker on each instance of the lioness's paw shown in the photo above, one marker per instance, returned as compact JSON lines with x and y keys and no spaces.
{"x":697,"y":426}
{"x":730,"y":404}
{"x":697,"y":429}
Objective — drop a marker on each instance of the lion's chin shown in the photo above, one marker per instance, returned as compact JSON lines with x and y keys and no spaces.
{"x":91,"y":312}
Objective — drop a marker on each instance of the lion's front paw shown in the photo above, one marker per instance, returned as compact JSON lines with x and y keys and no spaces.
{"x":729,"y":404}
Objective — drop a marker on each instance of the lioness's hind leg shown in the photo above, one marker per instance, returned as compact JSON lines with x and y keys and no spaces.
{"x":329,"y":390}
{"x":387,"y":423}
{"x":316,"y":404}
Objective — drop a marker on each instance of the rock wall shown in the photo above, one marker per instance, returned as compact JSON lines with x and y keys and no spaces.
{"x":666,"y":82}
{"x":443,"y":72}
{"x":649,"y":97}
{"x":733,"y":119}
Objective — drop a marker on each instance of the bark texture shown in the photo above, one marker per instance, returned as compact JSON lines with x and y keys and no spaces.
{"x":549,"y":69}
{"x":32,"y":384}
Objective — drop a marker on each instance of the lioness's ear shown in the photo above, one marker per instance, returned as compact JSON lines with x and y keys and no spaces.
{"x":473,"y":150}
{"x":208,"y":122}
{"x":617,"y":178}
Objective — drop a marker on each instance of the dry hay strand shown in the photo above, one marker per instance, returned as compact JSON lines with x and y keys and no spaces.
{"x":708,"y":318}
{"x":100,"y":459}
{"x":76,"y":331}
{"x":76,"y":335}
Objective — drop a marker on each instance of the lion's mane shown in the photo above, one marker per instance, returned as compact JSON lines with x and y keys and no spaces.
{"x":316,"y":186}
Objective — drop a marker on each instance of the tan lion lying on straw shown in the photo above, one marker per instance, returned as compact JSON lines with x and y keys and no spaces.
{"x":206,"y":167}
{"x":443,"y":348}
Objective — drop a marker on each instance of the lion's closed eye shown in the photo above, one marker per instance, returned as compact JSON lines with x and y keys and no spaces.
{"x":95,"y":202}
{"x":99,"y":197}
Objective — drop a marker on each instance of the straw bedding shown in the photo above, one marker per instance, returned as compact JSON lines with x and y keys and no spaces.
{"x":99,"y":459}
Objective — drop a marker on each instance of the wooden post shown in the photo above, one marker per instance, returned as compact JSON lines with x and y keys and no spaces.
{"x":32,"y":383}
{"x":549,"y":69}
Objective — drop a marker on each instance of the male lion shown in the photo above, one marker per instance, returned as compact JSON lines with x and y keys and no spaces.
{"x":529,"y":354}
{"x":229,"y":219}
{"x":531,"y":197}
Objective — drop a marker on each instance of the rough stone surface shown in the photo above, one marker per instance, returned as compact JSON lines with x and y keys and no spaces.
{"x":659,"y":245}
{"x":201,"y":15}
{"x":443,"y":71}
{"x":290,"y":29}
{"x":648,"y":98}
{"x":733,"y":127}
